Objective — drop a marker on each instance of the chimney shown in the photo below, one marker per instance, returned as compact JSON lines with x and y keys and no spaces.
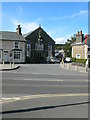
{"x":81,"y":32}
{"x":18,"y":29}
{"x":78,"y":33}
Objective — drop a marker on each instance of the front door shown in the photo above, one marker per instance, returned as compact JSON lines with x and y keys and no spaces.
{"x":6,"y":56}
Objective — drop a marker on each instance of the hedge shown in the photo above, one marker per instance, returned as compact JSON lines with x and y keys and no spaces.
{"x":73,"y":59}
{"x":79,"y":60}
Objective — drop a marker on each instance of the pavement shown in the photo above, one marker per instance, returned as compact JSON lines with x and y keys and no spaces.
{"x":6,"y":67}
{"x":69,"y":66}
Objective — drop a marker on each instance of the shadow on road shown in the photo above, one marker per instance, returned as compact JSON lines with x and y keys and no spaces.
{"x":41,"y":108}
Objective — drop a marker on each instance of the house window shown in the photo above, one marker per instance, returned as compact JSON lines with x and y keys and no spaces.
{"x":78,"y":56}
{"x":49,"y":49}
{"x":39,"y":46}
{"x":16,"y":54}
{"x":36,"y":46}
{"x":28,"y":47}
{"x":16,"y":44}
{"x":28,"y":50}
{"x":0,"y":54}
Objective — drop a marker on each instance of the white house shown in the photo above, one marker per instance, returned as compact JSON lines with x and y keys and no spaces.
{"x":12,"y":46}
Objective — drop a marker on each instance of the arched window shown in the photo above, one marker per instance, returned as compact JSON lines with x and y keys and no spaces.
{"x":39,"y":45}
{"x":29,"y":49}
{"x":49,"y":49}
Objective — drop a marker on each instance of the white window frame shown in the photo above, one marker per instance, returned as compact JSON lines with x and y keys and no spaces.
{"x":17,"y":55}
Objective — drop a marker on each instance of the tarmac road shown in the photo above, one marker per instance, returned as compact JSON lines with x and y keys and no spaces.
{"x":60,"y":93}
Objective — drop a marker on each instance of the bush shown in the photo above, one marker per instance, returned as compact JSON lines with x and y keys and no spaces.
{"x":73,"y":59}
{"x":81,"y":60}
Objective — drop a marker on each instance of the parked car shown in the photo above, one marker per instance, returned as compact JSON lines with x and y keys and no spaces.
{"x":55,"y":60}
{"x":67,"y":59}
{"x":52,"y":60}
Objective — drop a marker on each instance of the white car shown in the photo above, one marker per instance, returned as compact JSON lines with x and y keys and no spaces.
{"x":52,"y":60}
{"x":68,"y":59}
{"x":55,"y":60}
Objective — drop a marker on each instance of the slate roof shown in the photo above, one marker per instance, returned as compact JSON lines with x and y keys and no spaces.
{"x":5,"y":35}
{"x":29,"y":33}
{"x":25,"y":35}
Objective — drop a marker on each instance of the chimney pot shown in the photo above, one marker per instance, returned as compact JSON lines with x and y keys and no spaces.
{"x":78,"y":33}
{"x":18,"y":29}
{"x":81,"y":32}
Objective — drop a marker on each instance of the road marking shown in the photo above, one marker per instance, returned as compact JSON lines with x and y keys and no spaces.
{"x":34,"y":73}
{"x":44,"y":79}
{"x":48,"y":79}
{"x":14,"y":99}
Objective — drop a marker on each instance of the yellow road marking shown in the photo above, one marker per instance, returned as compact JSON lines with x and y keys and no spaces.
{"x":41,"y":96}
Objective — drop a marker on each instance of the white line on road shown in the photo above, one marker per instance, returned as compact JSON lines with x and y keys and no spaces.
{"x":36,"y":73}
{"x":42,"y":79}
{"x":48,"y":79}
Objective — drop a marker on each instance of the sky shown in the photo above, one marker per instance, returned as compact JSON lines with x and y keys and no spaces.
{"x":59,"y":19}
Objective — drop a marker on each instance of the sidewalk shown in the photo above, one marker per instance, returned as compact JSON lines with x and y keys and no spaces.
{"x":6,"y":67}
{"x":69,"y":66}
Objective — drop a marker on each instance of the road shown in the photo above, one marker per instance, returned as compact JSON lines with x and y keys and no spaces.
{"x":43,"y":79}
{"x":46,"y":80}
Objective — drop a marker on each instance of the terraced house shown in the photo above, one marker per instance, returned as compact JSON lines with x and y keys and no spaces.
{"x":33,"y":47}
{"x":12,"y":46}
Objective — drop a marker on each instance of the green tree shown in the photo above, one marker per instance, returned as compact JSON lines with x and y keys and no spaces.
{"x":73,"y":38}
{"x":67,"y":48}
{"x":59,"y":46}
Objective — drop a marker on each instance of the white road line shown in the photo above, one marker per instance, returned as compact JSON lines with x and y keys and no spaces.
{"x":49,"y":79}
{"x":43,"y":80}
{"x":33,"y":73}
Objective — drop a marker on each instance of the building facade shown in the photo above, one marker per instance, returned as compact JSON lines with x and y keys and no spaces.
{"x":80,"y":47}
{"x":87,"y":39}
{"x":12,"y":46}
{"x":39,"y":46}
